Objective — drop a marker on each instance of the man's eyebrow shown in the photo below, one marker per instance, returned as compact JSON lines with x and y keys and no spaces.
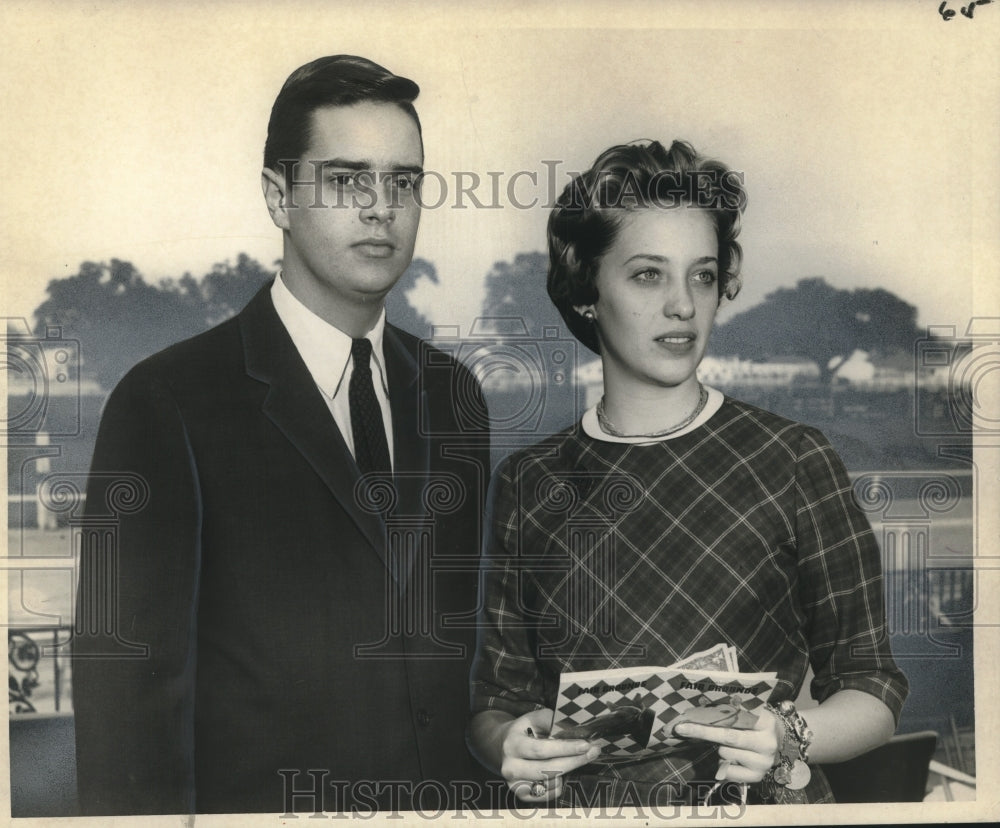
{"x":366,"y":164}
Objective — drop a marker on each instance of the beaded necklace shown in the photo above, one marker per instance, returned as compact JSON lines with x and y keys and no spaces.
{"x":611,"y":429}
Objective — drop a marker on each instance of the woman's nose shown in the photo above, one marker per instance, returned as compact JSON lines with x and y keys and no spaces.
{"x":678,"y":303}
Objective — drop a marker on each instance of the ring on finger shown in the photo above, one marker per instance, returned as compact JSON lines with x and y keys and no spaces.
{"x":539,"y":788}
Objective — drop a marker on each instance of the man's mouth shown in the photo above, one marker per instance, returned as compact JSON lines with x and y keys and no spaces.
{"x":375,"y":248}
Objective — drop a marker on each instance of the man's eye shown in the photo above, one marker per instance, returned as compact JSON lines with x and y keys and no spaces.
{"x":352,"y":180}
{"x":403,"y":182}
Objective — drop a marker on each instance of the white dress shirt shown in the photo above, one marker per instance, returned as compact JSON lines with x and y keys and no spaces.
{"x":326,"y":351}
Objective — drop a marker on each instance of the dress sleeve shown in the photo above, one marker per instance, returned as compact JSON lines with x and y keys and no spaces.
{"x":840,"y":582}
{"x":134,"y":650}
{"x":505,"y":674}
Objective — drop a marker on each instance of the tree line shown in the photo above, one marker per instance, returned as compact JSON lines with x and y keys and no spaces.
{"x":119,"y":317}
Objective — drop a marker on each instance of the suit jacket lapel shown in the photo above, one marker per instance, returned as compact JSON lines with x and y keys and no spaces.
{"x":411,"y":444}
{"x":296,"y":407}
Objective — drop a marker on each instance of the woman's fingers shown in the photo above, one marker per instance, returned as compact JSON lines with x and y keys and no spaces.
{"x":527,"y":746}
{"x":527,"y":738}
{"x":727,"y":736}
{"x":763,"y":738}
{"x":538,"y":721}
{"x":733,"y":772}
{"x":532,"y":769}
{"x":541,"y":779}
{"x":757,"y":762}
{"x":539,"y":790}
{"x":746,"y":755}
{"x":533,"y":764}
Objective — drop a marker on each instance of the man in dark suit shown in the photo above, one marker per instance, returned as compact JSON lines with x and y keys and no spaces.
{"x":276,"y":587}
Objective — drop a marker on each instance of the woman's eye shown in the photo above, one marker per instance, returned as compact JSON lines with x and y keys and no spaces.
{"x":706,"y":277}
{"x":646,"y":275}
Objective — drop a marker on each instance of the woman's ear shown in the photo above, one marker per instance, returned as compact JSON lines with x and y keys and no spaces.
{"x":273,"y":186}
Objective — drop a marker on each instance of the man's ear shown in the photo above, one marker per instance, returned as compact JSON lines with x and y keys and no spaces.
{"x":273,"y":186}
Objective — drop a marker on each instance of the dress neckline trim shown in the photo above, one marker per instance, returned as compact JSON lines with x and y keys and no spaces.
{"x":592,"y":427}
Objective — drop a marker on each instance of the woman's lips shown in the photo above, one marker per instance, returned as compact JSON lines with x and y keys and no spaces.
{"x":676,"y":342}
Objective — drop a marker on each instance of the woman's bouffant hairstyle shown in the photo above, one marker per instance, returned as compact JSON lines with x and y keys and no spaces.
{"x":590,"y":211}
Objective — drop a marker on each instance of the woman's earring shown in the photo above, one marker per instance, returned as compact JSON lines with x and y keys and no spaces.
{"x":589,"y":315}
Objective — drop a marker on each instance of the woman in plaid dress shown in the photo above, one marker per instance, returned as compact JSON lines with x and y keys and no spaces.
{"x":673,"y":518}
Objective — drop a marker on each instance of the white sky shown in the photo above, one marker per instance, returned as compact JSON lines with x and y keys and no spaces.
{"x":135,"y":131}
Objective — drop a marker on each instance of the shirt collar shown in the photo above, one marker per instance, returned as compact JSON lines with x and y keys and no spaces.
{"x":325,"y":349}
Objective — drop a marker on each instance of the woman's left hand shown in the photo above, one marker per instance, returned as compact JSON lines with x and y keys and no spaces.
{"x":747,"y":755}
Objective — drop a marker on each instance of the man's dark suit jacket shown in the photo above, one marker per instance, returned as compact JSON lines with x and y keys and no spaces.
{"x":226,"y":538}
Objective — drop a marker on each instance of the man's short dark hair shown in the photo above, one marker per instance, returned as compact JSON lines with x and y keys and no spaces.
{"x":335,"y":80}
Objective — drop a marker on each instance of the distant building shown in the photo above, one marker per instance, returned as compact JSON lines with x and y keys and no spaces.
{"x":726,"y":371}
{"x":590,"y":377}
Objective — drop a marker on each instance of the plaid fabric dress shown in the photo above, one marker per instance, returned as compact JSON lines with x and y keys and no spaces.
{"x":743,"y":531}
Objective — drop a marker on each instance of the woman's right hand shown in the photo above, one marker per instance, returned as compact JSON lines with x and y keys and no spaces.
{"x":533,"y":764}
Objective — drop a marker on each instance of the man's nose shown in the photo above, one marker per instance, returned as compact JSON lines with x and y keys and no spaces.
{"x":384,"y":203}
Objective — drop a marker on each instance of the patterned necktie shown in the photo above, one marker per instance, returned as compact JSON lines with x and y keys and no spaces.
{"x":371,"y":450}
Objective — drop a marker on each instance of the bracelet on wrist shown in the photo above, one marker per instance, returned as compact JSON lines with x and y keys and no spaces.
{"x":790,"y":769}
{"x":797,"y":728}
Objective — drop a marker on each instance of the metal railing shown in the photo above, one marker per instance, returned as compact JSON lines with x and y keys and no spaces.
{"x":38,"y":668}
